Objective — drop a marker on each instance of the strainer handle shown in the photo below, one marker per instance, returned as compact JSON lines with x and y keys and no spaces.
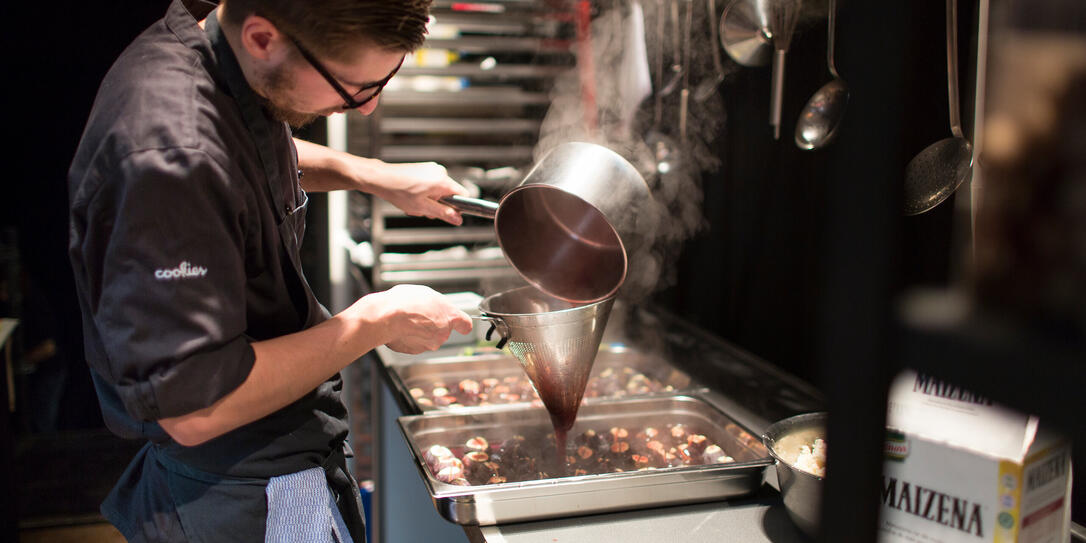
{"x":495,"y":324}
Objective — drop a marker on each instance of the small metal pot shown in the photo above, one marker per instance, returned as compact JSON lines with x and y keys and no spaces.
{"x":570,"y":225}
{"x":801,"y":492}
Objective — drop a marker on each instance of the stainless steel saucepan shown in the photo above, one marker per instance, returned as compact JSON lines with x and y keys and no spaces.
{"x":570,"y":225}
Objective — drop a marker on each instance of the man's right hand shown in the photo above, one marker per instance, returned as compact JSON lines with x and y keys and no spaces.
{"x":415,"y":318}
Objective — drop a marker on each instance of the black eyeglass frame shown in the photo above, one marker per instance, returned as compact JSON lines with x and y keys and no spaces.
{"x":349,"y":100}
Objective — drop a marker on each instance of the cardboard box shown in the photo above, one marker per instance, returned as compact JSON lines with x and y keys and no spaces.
{"x":960,"y":468}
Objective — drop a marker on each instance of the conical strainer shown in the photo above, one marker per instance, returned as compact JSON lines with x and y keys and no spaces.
{"x":556,"y":341}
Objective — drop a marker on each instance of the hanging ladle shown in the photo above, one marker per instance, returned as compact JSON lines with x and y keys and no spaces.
{"x":661,"y":146}
{"x":684,"y":94}
{"x":677,"y":67}
{"x":707,"y":87}
{"x":935,"y":173}
{"x":818,"y":122}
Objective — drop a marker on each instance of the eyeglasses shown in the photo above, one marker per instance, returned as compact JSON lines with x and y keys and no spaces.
{"x":350,"y":101}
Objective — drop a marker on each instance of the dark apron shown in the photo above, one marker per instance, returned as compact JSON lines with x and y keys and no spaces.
{"x":200,"y":498}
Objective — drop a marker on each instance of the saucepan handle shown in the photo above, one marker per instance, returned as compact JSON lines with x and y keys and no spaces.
{"x":471,"y":206}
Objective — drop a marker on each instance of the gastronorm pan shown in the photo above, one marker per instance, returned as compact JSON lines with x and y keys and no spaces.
{"x":635,"y":373}
{"x":570,"y":495}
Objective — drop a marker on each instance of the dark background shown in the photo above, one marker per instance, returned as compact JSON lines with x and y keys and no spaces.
{"x":755,"y":276}
{"x":751,"y":276}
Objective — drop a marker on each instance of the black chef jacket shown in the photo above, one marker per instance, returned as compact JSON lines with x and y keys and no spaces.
{"x":186,"y":216}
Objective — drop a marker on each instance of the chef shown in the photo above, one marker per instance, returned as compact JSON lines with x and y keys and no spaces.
{"x":188,"y":201}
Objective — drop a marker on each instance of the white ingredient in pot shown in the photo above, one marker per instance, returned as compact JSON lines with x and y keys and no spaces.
{"x":812,"y":458}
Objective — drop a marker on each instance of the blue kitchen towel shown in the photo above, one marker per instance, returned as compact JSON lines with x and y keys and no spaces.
{"x":302,"y":509}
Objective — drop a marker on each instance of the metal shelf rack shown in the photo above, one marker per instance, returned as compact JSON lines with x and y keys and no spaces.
{"x":473,"y":99}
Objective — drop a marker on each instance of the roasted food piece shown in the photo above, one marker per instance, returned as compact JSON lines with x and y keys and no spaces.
{"x":715,"y":455}
{"x":611,"y":382}
{"x":445,"y":401}
{"x":591,"y":452}
{"x":477,"y":443}
{"x":448,"y":469}
{"x":469,"y":387}
{"x":435,"y":453}
{"x":695,"y":445}
{"x":474,"y":458}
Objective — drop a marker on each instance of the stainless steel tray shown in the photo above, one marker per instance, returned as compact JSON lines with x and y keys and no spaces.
{"x":577,"y":495}
{"x":490,"y":363}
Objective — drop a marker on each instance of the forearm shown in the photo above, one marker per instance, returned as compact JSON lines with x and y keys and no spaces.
{"x":286,"y":368}
{"x":413,"y":187}
{"x":325,"y":169}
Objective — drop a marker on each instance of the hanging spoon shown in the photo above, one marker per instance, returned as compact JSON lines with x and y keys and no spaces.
{"x":935,"y":173}
{"x":818,"y":122}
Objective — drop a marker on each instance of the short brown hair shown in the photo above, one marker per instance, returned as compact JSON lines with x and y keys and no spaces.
{"x":334,"y":27}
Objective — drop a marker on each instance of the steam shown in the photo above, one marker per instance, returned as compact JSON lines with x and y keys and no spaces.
{"x":624,"y":113}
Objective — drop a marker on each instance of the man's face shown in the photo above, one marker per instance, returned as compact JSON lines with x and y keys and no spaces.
{"x":295,"y":92}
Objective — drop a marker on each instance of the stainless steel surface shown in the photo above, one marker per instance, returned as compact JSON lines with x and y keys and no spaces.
{"x":487,"y":362}
{"x":801,"y":491}
{"x":446,"y":153}
{"x":934,"y":174}
{"x":459,"y":125}
{"x":444,"y":264}
{"x":440,"y":278}
{"x":570,"y":224}
{"x":818,"y":122}
{"x":756,"y":519}
{"x":518,"y":24}
{"x":555,"y":341}
{"x":439,"y":235}
{"x":496,"y":72}
{"x":568,"y":496}
{"x":504,"y":3}
{"x":783,"y":15}
{"x":482,"y":96}
{"x":744,"y":32}
{"x":499,"y":43}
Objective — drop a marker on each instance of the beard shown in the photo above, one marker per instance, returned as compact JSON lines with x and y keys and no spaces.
{"x":276,"y":86}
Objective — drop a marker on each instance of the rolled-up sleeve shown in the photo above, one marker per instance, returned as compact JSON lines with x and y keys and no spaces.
{"x":164,"y":254}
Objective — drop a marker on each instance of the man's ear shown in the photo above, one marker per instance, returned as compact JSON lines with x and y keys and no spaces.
{"x":262,"y":40}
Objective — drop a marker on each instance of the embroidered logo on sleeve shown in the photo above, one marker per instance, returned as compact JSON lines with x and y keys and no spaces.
{"x":182,"y":271}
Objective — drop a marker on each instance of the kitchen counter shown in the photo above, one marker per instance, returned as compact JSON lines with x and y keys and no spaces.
{"x":758,"y":518}
{"x":751,"y":391}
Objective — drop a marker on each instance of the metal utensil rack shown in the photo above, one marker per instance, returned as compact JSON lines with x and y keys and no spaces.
{"x":473,"y":99}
